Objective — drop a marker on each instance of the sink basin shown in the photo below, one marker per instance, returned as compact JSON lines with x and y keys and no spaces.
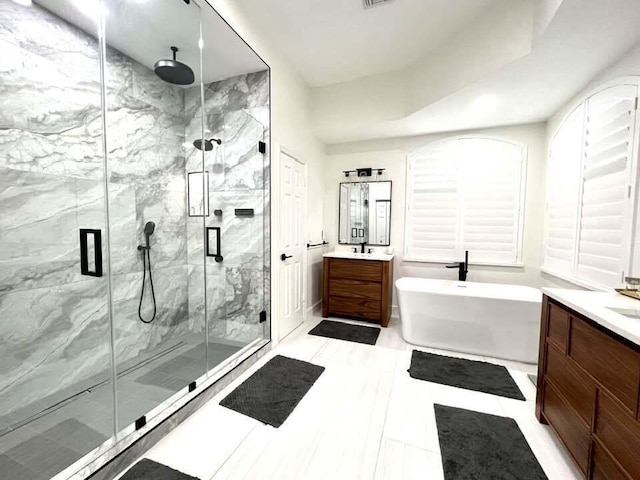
{"x":627,"y":312}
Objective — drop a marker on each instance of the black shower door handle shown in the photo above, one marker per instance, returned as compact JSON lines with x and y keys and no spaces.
{"x":217,"y":255}
{"x":94,"y":270}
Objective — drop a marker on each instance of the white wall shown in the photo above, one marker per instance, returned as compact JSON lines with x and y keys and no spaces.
{"x":290,"y":129}
{"x":391,"y":155}
{"x":628,"y":65}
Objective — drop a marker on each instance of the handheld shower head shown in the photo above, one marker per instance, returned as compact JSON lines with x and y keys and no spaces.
{"x":149,"y":228}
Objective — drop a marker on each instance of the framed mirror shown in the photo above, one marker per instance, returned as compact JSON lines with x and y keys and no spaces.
{"x":365,"y":213}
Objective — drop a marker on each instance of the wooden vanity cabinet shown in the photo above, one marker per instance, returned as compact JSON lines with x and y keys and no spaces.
{"x":358,"y":289}
{"x":589,"y":392}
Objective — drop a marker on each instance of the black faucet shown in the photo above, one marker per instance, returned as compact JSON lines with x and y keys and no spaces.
{"x":362,"y":245}
{"x":463,"y":267}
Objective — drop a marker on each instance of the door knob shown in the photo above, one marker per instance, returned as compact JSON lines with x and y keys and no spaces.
{"x":284,"y":256}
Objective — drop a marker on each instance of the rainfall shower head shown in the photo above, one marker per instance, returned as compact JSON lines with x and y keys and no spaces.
{"x":173,"y":71}
{"x":208,"y":144}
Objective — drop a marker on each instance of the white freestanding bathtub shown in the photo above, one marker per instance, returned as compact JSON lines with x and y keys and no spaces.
{"x":501,"y":321}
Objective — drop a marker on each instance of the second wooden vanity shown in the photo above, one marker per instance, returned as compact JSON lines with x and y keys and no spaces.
{"x":358,"y":288}
{"x":589,"y":382}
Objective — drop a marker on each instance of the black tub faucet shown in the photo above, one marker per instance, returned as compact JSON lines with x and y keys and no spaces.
{"x":362,"y":245}
{"x":463,"y":267}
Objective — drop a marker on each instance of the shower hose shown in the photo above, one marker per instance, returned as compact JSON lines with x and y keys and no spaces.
{"x":146,"y":263}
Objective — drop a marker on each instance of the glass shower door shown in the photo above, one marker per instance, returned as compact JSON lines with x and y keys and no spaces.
{"x":55,"y":389}
{"x":237,"y":279}
{"x":153,"y":86}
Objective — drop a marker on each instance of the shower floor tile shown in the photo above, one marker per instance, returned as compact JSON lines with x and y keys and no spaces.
{"x":11,"y":469}
{"x":43,"y":456}
{"x":75,"y":435}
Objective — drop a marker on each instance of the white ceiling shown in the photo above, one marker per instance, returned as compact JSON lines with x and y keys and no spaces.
{"x":331,"y":41}
{"x":145,"y":30}
{"x":582,"y":38}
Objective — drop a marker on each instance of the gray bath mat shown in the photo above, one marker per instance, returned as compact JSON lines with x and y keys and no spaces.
{"x":478,"y":445}
{"x":147,"y":469}
{"x":346,"y":331}
{"x":271,"y":394}
{"x":468,"y":374}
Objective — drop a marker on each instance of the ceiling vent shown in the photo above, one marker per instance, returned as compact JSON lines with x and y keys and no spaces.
{"x":375,"y":3}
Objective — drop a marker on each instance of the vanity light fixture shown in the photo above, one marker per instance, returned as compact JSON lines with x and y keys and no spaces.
{"x":363,"y":172}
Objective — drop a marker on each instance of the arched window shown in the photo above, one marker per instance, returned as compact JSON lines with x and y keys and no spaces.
{"x":466,"y":193}
{"x":591,"y":189}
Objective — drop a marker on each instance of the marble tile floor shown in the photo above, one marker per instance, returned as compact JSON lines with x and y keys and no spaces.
{"x":48,"y":444}
{"x":365,"y":418}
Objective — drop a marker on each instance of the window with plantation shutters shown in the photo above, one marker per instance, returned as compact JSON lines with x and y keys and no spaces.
{"x":591,"y":178}
{"x":465,"y":194}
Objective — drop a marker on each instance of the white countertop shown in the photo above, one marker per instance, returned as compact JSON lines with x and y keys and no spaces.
{"x":594,"y":305}
{"x":380,"y":257}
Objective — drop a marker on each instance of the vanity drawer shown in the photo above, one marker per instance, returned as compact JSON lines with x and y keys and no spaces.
{"x":619,"y":432}
{"x":575,"y":435}
{"x":558,"y":331}
{"x":364,"y":270}
{"x":603,"y":466}
{"x":575,"y":385}
{"x":355,"y":308}
{"x":608,"y":360}
{"x":355,"y":289}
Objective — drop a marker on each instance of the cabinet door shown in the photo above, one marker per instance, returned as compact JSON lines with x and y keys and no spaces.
{"x":612,"y":363}
{"x":364,"y":270}
{"x":571,"y":381}
{"x":603,"y":466}
{"x":619,"y":432}
{"x":566,"y":422}
{"x":355,"y":308}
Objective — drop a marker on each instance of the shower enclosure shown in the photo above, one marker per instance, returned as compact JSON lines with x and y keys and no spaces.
{"x":134,"y":219}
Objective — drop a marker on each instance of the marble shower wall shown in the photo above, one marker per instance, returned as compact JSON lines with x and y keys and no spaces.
{"x":54,"y":330}
{"x":236,"y":110}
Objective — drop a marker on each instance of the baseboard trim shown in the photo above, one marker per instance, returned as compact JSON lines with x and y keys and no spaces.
{"x":316,"y":308}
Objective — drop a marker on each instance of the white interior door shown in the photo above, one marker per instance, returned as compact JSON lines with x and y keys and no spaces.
{"x":293,"y":185}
